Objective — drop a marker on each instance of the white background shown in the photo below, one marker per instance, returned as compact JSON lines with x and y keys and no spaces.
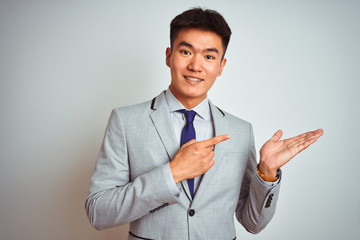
{"x":64,"y":65}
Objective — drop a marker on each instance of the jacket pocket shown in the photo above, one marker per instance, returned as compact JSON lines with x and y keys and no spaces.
{"x":133,"y":235}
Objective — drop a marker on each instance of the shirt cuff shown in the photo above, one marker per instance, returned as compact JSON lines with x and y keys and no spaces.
{"x":174,"y":188}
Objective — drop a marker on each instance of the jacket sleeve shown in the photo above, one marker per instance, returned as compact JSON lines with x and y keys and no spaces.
{"x":113,"y":198}
{"x":257,"y":201}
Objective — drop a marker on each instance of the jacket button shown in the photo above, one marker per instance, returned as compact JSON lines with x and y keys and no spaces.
{"x":191,"y":212}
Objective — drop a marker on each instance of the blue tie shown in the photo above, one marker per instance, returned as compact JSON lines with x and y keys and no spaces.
{"x":188,"y":133}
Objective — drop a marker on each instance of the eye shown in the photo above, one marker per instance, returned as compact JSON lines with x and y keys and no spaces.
{"x":185,"y":52}
{"x":209,"y":57}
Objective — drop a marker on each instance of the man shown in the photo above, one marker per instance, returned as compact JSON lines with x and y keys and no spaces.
{"x":143,"y":176}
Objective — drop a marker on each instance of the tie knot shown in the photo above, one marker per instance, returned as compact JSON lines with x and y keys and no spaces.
{"x":190,"y":115}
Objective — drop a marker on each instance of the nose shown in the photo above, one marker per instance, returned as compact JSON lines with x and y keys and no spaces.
{"x":195,"y":64}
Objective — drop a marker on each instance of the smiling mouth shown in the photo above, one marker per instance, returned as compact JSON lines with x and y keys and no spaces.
{"x":193,"y":79}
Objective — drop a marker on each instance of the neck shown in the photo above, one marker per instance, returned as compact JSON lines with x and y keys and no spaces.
{"x":188,"y":103}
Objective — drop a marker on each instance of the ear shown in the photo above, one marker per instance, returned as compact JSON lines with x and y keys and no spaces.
{"x":168,"y":56}
{"x":222,"y":65}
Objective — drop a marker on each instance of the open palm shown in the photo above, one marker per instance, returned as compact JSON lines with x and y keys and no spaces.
{"x":275,"y":152}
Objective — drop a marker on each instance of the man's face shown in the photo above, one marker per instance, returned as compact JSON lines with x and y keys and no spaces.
{"x":195,"y":62}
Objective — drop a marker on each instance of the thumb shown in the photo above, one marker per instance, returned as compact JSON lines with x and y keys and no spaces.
{"x":277,"y":135}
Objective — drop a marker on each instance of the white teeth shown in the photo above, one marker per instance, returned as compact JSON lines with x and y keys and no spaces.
{"x":193,"y":79}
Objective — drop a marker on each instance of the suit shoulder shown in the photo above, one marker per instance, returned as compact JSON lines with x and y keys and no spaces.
{"x":236,"y":120}
{"x":136,"y":109}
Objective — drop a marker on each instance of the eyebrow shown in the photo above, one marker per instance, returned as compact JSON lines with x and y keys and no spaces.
{"x":186,"y":44}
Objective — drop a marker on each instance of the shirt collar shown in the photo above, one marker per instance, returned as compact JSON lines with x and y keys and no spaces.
{"x":202,"y":109}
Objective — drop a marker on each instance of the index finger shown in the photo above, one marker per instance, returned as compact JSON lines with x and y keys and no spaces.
{"x":215,"y":140}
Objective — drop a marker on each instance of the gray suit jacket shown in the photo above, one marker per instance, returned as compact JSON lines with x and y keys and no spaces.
{"x":128,"y":184}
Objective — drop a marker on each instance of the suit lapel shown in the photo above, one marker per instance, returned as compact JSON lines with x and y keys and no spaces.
{"x":220,"y":127}
{"x":162,"y":123}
